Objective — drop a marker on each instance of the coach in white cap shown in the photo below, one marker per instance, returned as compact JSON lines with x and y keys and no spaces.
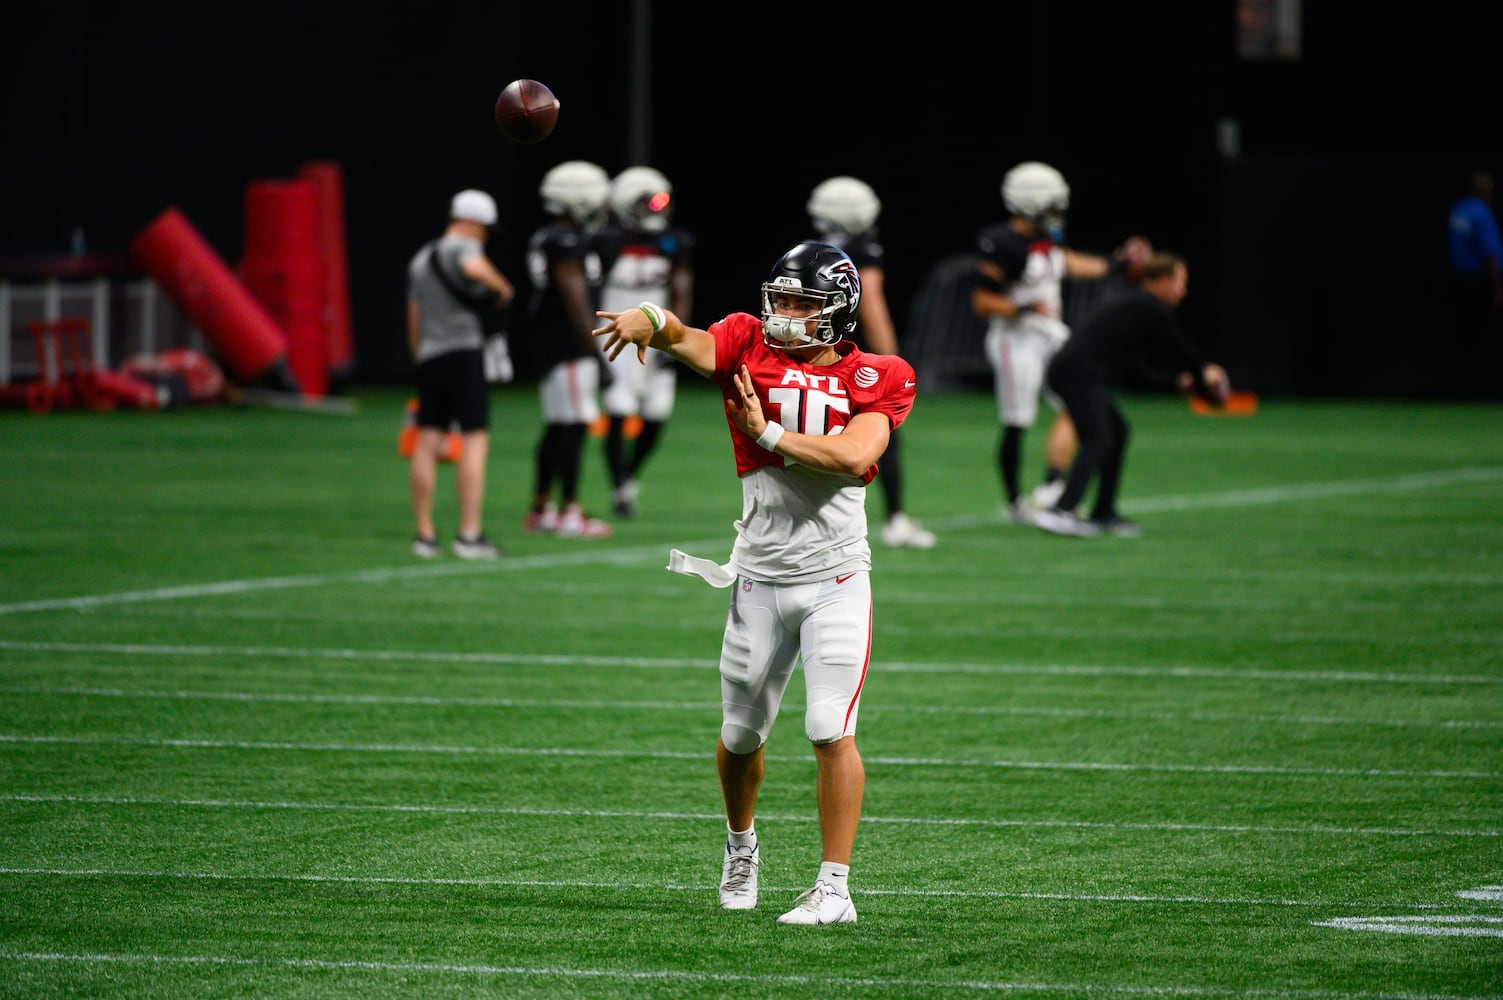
{"x":453,"y":291}
{"x":470,"y":205}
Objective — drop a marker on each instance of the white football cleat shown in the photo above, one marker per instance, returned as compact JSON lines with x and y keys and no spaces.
{"x":573,"y":523}
{"x":1019,"y":512}
{"x":821,"y":905}
{"x":903,"y":532}
{"x":738,"y":878}
{"x":1062,"y":522}
{"x":624,"y":499}
{"x":541,"y":522}
{"x":1046,"y":495}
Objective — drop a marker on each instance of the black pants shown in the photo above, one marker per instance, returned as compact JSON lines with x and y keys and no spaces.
{"x":1102,"y":431}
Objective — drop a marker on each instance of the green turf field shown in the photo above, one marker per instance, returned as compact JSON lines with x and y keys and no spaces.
{"x":250,"y":747}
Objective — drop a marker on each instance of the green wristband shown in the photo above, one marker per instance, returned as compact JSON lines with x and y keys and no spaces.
{"x":654,"y":316}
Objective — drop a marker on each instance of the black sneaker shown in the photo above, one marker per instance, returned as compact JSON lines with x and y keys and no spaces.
{"x":424,"y":548}
{"x":1121,"y":527}
{"x":478,"y":547}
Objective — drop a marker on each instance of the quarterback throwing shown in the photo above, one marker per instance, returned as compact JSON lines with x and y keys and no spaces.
{"x":809,"y":415}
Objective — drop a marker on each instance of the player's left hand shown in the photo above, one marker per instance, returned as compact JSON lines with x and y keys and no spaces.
{"x":745,"y":410}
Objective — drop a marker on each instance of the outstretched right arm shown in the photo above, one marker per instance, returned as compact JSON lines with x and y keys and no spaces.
{"x":660,"y":328}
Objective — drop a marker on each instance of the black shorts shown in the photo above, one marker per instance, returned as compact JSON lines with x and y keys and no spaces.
{"x":452,"y":390}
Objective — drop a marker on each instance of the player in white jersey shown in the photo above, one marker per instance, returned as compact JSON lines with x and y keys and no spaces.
{"x":809,"y":415}
{"x":642,"y":257}
{"x":1019,"y":276}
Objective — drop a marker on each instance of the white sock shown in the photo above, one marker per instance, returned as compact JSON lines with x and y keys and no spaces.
{"x":744,"y":839}
{"x":835,"y":875}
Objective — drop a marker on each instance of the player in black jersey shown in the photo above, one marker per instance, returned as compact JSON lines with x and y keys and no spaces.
{"x":844,"y":210}
{"x":564,"y":270}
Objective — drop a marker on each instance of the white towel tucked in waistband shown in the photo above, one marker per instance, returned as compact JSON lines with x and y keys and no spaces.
{"x":710,"y":572}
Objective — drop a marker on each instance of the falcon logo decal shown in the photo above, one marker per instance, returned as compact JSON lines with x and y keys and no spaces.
{"x":843,"y":274}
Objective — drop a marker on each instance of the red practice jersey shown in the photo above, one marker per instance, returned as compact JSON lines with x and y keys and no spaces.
{"x":810,"y":399}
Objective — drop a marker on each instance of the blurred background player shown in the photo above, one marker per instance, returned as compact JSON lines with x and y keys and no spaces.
{"x":809,"y":416}
{"x":564,"y":270}
{"x":1018,"y":289}
{"x":1135,"y":333}
{"x":844,"y":212}
{"x":450,"y":282}
{"x":643,"y":257}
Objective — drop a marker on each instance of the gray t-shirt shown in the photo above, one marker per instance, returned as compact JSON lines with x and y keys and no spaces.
{"x":445,"y":324}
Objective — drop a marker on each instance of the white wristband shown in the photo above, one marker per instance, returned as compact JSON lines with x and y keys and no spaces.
{"x":654,"y":315}
{"x":771,"y":436}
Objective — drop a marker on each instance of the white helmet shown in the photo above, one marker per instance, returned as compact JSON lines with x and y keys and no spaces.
{"x":642,"y":200}
{"x":471,"y":205}
{"x":578,"y":189}
{"x":843,"y":204}
{"x":1035,"y":191}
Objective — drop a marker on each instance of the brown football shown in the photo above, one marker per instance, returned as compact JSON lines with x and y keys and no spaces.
{"x":526,"y":111}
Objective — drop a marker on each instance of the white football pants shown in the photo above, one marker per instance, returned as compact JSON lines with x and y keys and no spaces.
{"x":771,"y":627}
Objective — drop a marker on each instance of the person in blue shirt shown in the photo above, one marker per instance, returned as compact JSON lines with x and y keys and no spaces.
{"x":1477,"y":277}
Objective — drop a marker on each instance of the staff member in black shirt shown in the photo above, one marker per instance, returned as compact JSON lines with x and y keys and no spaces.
{"x":1136,"y":332}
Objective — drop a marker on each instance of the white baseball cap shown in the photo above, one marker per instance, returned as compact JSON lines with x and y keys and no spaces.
{"x":473,"y":206}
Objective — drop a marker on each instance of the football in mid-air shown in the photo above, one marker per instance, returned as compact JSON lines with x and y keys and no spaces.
{"x":526,"y":111}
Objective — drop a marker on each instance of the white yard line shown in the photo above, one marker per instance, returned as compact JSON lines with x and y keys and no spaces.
{"x":1431,"y":925}
{"x":709,"y":665}
{"x":1317,"y":491}
{"x":1064,"y":897}
{"x":583,"y":557}
{"x":133,"y":801}
{"x":294,"y":698}
{"x":277,"y":746}
{"x":1271,"y":494}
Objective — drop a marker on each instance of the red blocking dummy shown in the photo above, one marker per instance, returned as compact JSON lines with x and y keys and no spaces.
{"x":328,"y":179}
{"x":283,"y":269}
{"x":245,"y":336}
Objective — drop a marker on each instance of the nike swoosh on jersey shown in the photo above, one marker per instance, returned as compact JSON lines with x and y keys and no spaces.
{"x":909,"y":384}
